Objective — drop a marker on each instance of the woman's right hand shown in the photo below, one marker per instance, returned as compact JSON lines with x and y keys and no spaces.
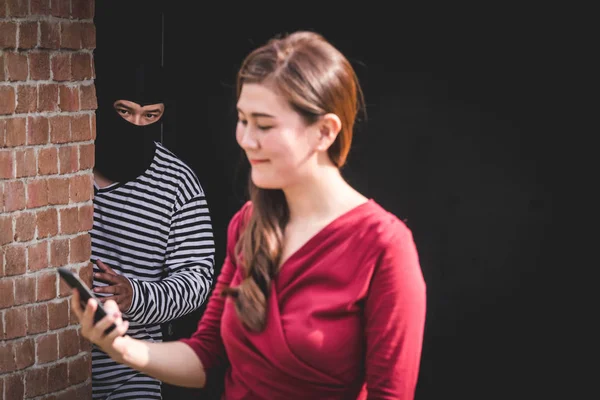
{"x":109,"y":343}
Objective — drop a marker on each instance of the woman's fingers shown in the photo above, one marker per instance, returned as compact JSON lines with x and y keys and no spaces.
{"x":120,"y":330}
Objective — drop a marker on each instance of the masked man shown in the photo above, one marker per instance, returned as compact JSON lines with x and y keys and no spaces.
{"x":152,"y":239}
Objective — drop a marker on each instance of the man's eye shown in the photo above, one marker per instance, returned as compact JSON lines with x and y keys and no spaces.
{"x":122,"y":111}
{"x":264,"y":128}
{"x":150,"y":115}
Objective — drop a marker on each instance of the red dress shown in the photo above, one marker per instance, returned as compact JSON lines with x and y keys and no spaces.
{"x":345,"y":316}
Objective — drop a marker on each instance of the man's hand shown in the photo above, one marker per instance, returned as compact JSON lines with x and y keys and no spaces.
{"x":119,"y":287}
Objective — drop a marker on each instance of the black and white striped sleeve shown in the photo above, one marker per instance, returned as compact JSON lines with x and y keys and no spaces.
{"x":189,"y":264}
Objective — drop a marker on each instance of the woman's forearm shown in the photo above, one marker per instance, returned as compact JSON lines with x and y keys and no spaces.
{"x":171,"y":362}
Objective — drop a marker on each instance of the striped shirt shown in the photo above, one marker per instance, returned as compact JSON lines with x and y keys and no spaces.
{"x":157,"y":232}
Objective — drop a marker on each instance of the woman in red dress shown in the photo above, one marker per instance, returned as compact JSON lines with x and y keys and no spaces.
{"x":321,"y":295}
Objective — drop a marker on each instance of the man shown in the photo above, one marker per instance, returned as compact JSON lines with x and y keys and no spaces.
{"x":152,"y":239}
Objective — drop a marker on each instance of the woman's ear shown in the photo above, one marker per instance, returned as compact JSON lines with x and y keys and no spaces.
{"x":329,"y":127}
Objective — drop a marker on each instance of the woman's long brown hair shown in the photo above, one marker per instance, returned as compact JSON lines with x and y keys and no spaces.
{"x":316,"y":79}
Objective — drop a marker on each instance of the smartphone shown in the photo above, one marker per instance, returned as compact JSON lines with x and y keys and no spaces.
{"x":84,"y":295}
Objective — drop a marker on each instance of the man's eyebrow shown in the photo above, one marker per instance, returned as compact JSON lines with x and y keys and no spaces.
{"x":154,"y":110}
{"x":122,"y":106}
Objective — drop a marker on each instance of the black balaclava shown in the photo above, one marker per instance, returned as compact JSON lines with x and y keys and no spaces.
{"x":124,"y":150}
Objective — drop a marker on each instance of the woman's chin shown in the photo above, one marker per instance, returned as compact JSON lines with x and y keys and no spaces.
{"x":264,"y":183}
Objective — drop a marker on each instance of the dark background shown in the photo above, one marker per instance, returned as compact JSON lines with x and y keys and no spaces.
{"x":451,"y":145}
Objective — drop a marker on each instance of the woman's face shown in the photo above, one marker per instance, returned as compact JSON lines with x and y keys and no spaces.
{"x":280,"y":146}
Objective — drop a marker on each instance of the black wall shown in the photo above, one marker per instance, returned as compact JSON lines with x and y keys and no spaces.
{"x":448,"y":146}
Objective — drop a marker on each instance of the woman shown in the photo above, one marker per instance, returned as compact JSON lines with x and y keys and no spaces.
{"x":321,"y":295}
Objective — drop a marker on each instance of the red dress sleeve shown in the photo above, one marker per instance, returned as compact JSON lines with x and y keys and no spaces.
{"x":206,"y":341}
{"x":395,"y":320}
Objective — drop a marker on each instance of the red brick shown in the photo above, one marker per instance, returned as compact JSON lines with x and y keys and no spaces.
{"x":80,"y":249}
{"x":16,"y":66}
{"x":46,"y":348}
{"x":14,"y":196}
{"x":7,"y":105}
{"x":1,"y":205}
{"x":26,"y":98}
{"x":61,"y":8}
{"x":88,"y":35}
{"x":24,"y":227}
{"x":25,"y":290}
{"x":80,"y":128}
{"x":69,"y":220}
{"x":15,"y":259}
{"x":48,"y":97}
{"x":2,"y":130}
{"x":80,"y":369}
{"x":7,"y":164}
{"x":6,"y":232}
{"x":60,"y":129}
{"x":7,"y":288}
{"x":49,"y":35}
{"x":86,"y":217}
{"x":37,"y":193}
{"x":68,"y":98}
{"x":68,"y":159}
{"x":39,"y":66}
{"x":47,"y":222}
{"x":68,"y":343}
{"x":8,"y":35}
{"x":46,"y":286}
{"x":88,"y":97}
{"x":48,"y":161}
{"x":59,"y":252}
{"x":37,"y":130}
{"x":7,"y":357}
{"x":16,"y":323}
{"x":61,"y":67}
{"x":25,"y":353}
{"x":2,"y":73}
{"x":26,"y":162}
{"x":39,"y":7}
{"x":17,"y":8}
{"x":85,"y":273}
{"x":81,"y":188}
{"x":58,"y":376}
{"x":71,"y":35}
{"x":37,"y":381}
{"x":58,"y":191}
{"x":28,"y":34}
{"x":14,"y":387}
{"x":59,"y":313}
{"x":37,"y":318}
{"x":37,"y":255}
{"x":86,"y":156}
{"x":82,"y":9}
{"x":81,"y":66}
{"x":16,"y":132}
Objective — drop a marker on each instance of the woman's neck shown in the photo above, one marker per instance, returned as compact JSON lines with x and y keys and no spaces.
{"x":322,"y":197}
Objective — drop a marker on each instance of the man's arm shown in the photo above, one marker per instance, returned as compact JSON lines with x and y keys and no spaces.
{"x":190,"y":266}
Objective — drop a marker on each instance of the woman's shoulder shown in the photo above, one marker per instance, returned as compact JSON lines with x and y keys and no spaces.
{"x":384,"y":226}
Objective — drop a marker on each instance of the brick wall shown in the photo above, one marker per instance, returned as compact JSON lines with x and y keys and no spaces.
{"x":47,"y":128}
